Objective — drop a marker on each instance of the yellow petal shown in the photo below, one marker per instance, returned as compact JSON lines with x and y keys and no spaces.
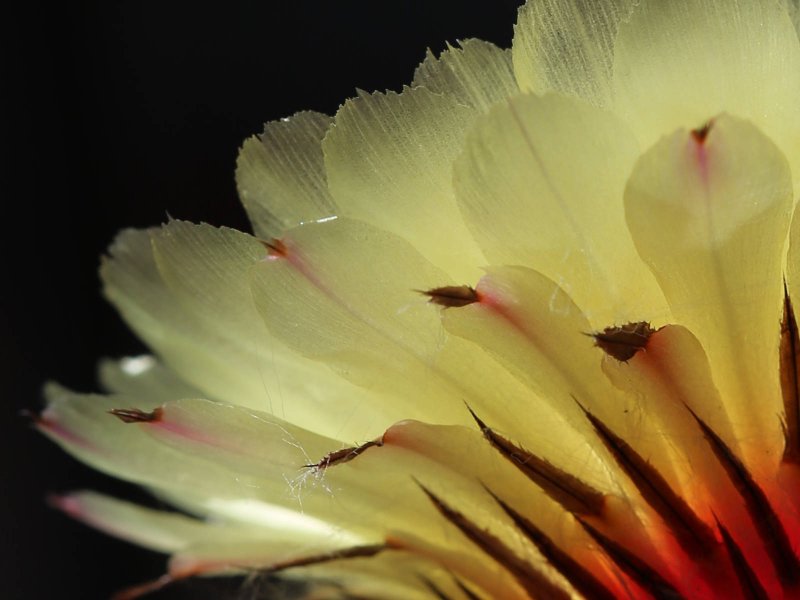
{"x":540,"y":183}
{"x":389,"y":159}
{"x":547,"y":348}
{"x":208,"y":456}
{"x":195,"y":309}
{"x":367,"y":323}
{"x":678,"y":64}
{"x":280,"y":174}
{"x":709,"y":214}
{"x":154,"y":529}
{"x":567,"y":47}
{"x":477,"y":74}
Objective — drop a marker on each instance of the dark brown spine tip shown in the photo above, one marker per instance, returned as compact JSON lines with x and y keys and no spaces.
{"x":790,"y":380}
{"x":633,"y":566}
{"x":532,"y":581}
{"x":701,"y":133}
{"x":366,"y":551}
{"x":579,"y":577}
{"x":134,"y":415}
{"x":623,"y":342}
{"x":452,"y":296}
{"x":276,"y":247}
{"x":344,"y":455}
{"x":691,"y":532}
{"x":570,"y":492}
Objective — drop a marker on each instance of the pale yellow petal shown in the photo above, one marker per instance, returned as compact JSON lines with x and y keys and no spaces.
{"x":389,"y":162}
{"x":367,"y":323}
{"x":154,"y":529}
{"x":568,"y":46}
{"x":477,"y":74}
{"x":551,"y":352}
{"x":540,"y":183}
{"x":185,"y":455}
{"x":680,"y":63}
{"x":280,"y":174}
{"x":709,"y":214}
{"x":454,"y":464}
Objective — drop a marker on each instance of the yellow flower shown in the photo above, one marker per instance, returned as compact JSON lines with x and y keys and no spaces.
{"x":601,"y":396}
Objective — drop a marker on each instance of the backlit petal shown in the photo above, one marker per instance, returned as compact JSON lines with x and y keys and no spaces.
{"x":280,"y":174}
{"x":709,"y":214}
{"x":567,"y":47}
{"x":477,"y":74}
{"x":389,"y":158}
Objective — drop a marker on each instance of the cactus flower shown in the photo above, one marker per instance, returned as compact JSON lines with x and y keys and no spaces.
{"x":523,"y":330}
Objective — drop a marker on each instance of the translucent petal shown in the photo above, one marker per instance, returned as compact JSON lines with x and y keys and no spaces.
{"x":567,"y":47}
{"x":202,"y":323}
{"x":709,"y":214}
{"x":83,"y":426}
{"x":678,"y":64}
{"x":540,"y":183}
{"x":154,"y":529}
{"x":548,"y":348}
{"x":280,"y":174}
{"x":478,"y":74}
{"x":367,"y":323}
{"x":383,"y":484}
{"x":389,"y":160}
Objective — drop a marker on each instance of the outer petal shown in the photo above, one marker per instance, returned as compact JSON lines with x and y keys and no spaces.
{"x":568,"y":47}
{"x":196,"y":310}
{"x":540,"y":183}
{"x":709,"y":213}
{"x":678,"y":64}
{"x":389,"y":158}
{"x":200,"y":456}
{"x":478,"y":74}
{"x":154,"y":529}
{"x":280,"y":174}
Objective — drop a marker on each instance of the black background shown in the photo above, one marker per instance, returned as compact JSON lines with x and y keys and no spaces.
{"x":116,"y":114}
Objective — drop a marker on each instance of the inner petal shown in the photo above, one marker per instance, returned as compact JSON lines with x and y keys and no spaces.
{"x":709,"y":212}
{"x":679,"y":62}
{"x":540,"y":183}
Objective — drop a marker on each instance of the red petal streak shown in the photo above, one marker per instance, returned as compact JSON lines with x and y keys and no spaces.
{"x":452,"y":296}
